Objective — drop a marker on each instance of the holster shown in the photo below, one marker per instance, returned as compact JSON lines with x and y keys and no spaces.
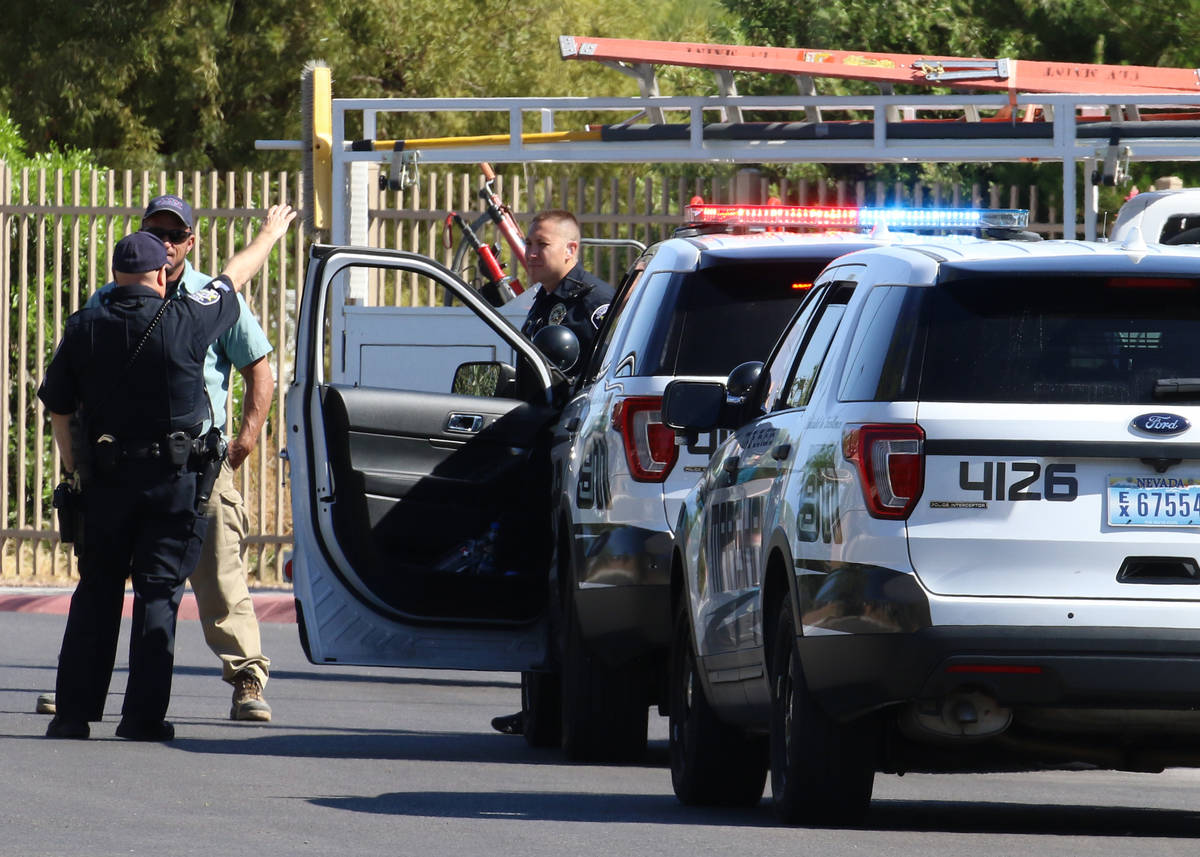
{"x":68,"y":503}
{"x":208,"y":454}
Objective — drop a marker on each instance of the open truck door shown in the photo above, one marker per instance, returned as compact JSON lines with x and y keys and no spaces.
{"x":417,"y":437}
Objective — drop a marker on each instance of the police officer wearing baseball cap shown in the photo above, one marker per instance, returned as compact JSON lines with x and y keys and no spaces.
{"x":219,"y":581}
{"x":569,"y":295}
{"x":133,"y":368}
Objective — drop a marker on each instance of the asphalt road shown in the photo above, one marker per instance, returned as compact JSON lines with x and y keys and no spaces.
{"x":371,"y":761}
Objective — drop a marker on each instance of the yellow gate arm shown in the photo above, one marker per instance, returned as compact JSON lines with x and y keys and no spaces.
{"x":479,"y":140}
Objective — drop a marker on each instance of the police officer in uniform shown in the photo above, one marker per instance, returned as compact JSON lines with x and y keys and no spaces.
{"x":133,"y":367}
{"x":569,"y":295}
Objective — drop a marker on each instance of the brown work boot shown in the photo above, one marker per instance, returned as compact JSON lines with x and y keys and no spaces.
{"x":248,"y":702}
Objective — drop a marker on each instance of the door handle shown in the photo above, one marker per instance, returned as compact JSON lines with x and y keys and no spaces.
{"x":464,"y":423}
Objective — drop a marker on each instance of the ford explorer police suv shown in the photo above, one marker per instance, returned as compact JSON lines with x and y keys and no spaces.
{"x":954,"y":528}
{"x":459,"y":503}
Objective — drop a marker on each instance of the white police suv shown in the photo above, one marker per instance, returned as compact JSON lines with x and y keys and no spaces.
{"x":956,"y":527}
{"x":459,"y":503}
{"x":696,"y":306}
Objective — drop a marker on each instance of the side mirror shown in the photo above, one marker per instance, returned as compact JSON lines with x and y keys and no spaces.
{"x":485,"y":380}
{"x":693,"y":405}
{"x":743,"y":379}
{"x":559,"y":344}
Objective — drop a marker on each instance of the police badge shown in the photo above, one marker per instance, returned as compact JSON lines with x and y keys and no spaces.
{"x":557,"y":313}
{"x":205,"y":297}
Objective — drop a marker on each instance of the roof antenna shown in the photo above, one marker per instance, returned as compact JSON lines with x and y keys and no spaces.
{"x":1134,"y":243}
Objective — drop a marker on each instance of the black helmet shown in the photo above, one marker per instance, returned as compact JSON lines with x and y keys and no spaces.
{"x":559,"y":344}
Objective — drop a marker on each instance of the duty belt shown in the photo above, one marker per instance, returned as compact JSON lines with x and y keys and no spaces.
{"x":175,"y":447}
{"x":149,"y":450}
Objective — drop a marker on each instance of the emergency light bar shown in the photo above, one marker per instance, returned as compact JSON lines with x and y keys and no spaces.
{"x":853,"y":217}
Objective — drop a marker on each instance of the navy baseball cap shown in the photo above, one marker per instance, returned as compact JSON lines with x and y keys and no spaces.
{"x":172,"y":203}
{"x":139,"y":252}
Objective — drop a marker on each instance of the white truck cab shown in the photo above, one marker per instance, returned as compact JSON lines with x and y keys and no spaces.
{"x":1162,"y":216}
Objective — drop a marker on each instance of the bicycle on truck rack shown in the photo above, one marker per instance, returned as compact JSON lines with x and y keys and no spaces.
{"x":488,"y":276}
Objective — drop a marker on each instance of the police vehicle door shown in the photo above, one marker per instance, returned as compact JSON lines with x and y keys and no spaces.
{"x":745,"y":473}
{"x":420,"y":481}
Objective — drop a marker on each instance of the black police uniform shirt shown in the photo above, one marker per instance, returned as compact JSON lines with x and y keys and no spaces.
{"x":579,"y":303}
{"x":163,"y":390}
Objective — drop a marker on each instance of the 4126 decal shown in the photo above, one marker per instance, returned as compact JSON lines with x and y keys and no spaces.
{"x":1019,"y":480}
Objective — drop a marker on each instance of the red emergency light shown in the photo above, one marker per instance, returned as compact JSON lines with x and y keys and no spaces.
{"x":829,"y":217}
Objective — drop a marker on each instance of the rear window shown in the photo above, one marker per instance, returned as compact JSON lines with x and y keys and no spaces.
{"x":711,"y":320}
{"x":1058,"y":339}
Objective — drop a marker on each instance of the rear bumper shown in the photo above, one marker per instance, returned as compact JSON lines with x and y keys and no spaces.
{"x":1018,"y":666}
{"x":623,"y":592}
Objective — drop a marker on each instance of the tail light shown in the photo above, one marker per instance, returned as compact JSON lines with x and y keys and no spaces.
{"x":649,"y":443}
{"x":891,"y":466}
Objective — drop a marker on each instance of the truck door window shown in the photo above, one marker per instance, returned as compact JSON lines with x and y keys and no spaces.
{"x":398,"y":334}
{"x":1181,"y":229}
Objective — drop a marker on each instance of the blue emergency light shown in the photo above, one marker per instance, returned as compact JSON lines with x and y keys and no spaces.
{"x":854,"y":217}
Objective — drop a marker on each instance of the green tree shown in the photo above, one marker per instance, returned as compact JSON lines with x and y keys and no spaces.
{"x":33,"y":315}
{"x":193,"y":84}
{"x":1151,"y":32}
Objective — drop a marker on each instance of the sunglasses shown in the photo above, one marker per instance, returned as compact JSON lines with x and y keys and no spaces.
{"x":175,"y":236}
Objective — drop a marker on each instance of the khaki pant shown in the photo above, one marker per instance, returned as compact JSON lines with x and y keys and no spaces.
{"x":219,"y":583}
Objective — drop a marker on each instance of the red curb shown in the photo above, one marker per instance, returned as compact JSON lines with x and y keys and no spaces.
{"x":268,"y":607}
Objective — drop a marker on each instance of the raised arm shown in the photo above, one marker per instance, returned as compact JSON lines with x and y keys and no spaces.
{"x":247,"y":263}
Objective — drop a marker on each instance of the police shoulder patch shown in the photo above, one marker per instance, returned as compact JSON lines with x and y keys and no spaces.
{"x":557,"y":313}
{"x":598,"y":315}
{"x":205,"y":297}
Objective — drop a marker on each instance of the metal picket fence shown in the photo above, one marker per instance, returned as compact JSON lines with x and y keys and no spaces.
{"x":57,"y":230}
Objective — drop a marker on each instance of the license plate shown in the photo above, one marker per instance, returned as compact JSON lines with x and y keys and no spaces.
{"x":1154,"y":501}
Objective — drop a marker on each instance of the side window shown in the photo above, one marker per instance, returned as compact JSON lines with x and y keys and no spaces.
{"x":785,"y":353}
{"x":883,"y":348}
{"x":1181,"y":229}
{"x":805,"y":374}
{"x":596,"y":362}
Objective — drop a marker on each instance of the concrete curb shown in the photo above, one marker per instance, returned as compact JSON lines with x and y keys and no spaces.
{"x":269,"y":605}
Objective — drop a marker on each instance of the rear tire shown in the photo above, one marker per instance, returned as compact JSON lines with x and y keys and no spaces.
{"x":541,"y":702}
{"x":604,"y":710}
{"x":822,"y":771}
{"x":712,"y":763}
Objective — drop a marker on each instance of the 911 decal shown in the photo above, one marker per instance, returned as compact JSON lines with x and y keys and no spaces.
{"x":592,"y":487}
{"x":1019,"y":480}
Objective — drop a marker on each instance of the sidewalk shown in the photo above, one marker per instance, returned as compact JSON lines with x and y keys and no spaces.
{"x":270,"y":605}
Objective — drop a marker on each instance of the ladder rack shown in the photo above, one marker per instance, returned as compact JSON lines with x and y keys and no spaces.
{"x":886,"y":69}
{"x":1101,"y":146}
{"x":1116,"y":114}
